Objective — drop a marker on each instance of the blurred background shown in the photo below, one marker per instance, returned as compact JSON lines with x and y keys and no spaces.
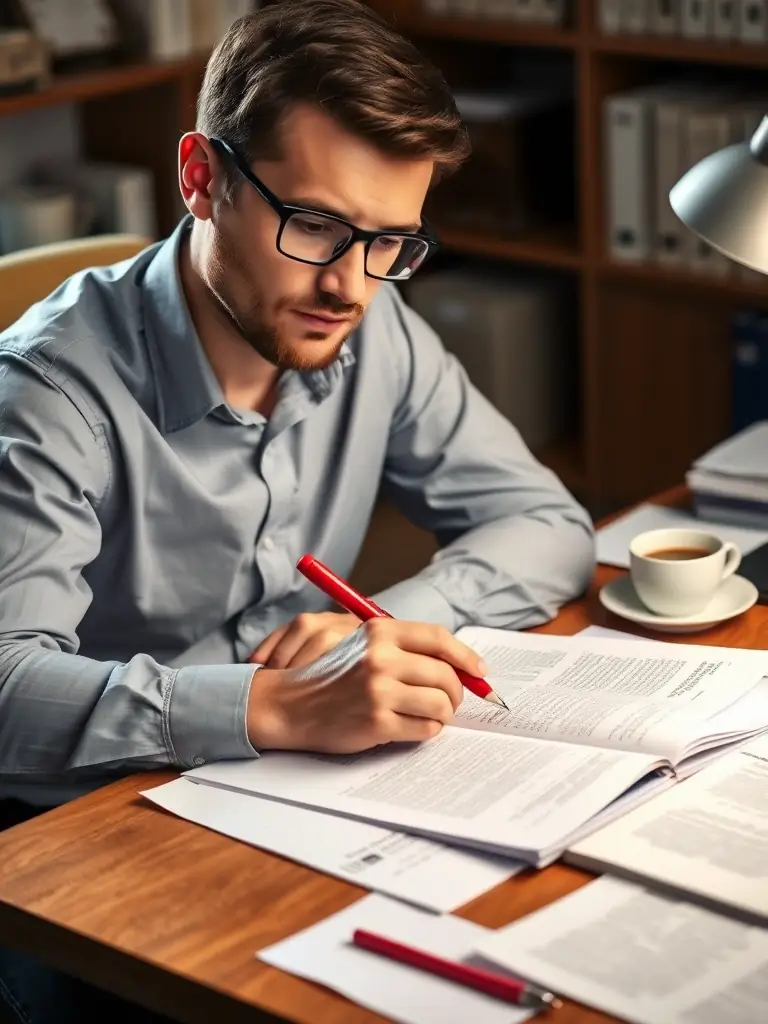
{"x":620,"y":346}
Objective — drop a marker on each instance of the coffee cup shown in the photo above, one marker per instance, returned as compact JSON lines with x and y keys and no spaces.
{"x":676,"y":572}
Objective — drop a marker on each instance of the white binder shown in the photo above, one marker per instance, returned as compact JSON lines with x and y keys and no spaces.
{"x":609,"y":17}
{"x":634,"y":17}
{"x":707,"y":131}
{"x":671,"y":161}
{"x":697,"y":19}
{"x":664,"y":17}
{"x":752,"y":21}
{"x":628,"y":133}
{"x":724,"y":20}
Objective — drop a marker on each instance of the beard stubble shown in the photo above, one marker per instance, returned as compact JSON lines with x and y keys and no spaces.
{"x":250,"y":321}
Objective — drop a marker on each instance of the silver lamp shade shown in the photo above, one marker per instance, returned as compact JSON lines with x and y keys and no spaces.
{"x":724,"y":200}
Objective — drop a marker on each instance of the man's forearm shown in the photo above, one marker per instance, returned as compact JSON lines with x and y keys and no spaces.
{"x":513,"y":573}
{"x":62,"y":712}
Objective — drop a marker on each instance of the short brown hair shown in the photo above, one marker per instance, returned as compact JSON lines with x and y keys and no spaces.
{"x":342,"y":57}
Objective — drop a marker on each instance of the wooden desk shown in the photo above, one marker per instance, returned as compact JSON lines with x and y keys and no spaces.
{"x":170,"y":915}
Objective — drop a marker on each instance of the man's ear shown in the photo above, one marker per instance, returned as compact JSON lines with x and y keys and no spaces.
{"x":197,"y":160}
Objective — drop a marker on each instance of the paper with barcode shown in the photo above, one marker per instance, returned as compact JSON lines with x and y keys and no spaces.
{"x":420,"y":871}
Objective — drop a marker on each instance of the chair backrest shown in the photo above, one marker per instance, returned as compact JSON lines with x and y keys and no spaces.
{"x":29,"y":275}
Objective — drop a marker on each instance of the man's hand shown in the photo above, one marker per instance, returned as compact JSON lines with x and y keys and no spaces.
{"x":304,"y":639}
{"x":393,"y":681}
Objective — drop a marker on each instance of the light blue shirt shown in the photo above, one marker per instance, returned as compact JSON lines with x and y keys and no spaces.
{"x":149,"y":532}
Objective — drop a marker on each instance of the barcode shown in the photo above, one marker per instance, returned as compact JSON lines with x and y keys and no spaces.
{"x":364,"y":862}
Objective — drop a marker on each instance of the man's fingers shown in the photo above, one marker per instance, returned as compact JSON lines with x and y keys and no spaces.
{"x":424,"y":638}
{"x":408,"y":729}
{"x":267,"y":646}
{"x":423,"y":702}
{"x":311,"y":649}
{"x":418,"y":671}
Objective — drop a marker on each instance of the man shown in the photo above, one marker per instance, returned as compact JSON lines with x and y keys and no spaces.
{"x":177,"y":430}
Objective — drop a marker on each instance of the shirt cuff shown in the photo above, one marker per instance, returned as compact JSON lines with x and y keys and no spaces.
{"x":417,"y":601}
{"x":206,"y":714}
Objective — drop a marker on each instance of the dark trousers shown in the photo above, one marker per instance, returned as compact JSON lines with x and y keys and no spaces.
{"x":32,"y":993}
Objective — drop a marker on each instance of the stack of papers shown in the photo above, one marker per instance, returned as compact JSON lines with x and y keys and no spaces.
{"x":428,"y":874}
{"x":730,"y":482}
{"x":597,"y":726}
{"x":707,"y":840}
{"x":640,"y":956}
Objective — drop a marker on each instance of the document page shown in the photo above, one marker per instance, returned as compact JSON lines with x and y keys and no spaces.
{"x":707,"y":837}
{"x":733,"y":726}
{"x":505,"y":794}
{"x":421,"y":871}
{"x":641,"y":695}
{"x":325,"y":954}
{"x":642,"y":957}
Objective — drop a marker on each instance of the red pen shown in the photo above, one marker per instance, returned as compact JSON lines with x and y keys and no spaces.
{"x":509,"y":989}
{"x":342,"y":593}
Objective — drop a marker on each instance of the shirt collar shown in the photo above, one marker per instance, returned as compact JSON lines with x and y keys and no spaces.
{"x":187,"y":386}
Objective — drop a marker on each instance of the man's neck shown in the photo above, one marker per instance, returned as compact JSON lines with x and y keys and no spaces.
{"x":247,"y":380}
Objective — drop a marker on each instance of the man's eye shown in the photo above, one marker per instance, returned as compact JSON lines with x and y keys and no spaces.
{"x":313,"y":227}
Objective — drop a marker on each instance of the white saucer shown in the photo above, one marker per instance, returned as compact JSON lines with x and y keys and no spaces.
{"x":735,"y":596}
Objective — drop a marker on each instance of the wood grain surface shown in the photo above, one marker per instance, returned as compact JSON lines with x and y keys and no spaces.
{"x":170,"y":915}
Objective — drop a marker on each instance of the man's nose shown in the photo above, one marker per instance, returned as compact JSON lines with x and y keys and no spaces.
{"x":345,"y":278}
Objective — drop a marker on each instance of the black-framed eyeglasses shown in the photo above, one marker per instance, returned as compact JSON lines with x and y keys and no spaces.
{"x":311,"y":236}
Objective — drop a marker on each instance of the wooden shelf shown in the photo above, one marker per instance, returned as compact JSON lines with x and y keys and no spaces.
{"x":566,"y":459}
{"x":674,"y":49}
{"x":106,"y":81}
{"x":132,"y":113}
{"x":681,"y":278}
{"x":553,"y":247}
{"x":487,"y":30}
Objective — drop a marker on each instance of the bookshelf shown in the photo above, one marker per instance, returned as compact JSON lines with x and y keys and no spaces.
{"x":654,"y":362}
{"x":654,"y":386}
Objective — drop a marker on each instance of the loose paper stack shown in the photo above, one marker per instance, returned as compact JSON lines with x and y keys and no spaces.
{"x":597,"y":725}
{"x":730,"y":483}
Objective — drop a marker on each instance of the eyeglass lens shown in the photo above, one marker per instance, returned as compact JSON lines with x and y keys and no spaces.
{"x":316,"y":239}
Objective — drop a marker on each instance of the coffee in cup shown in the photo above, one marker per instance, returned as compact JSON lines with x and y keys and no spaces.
{"x":676,"y":572}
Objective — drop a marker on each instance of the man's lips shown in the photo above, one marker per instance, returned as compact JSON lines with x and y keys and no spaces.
{"x":320,"y":319}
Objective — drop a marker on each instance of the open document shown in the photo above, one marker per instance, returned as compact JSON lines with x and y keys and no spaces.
{"x":707,"y":838}
{"x":640,"y":956}
{"x":673,"y":700}
{"x":428,"y":874}
{"x":596,"y":726}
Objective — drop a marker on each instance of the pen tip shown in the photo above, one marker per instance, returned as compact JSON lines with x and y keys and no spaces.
{"x":494,"y":698}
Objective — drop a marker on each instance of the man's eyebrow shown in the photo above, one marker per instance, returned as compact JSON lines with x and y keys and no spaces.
{"x":318,"y":206}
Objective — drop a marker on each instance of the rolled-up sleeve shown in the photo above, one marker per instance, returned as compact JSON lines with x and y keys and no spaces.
{"x":514,"y":543}
{"x":61,"y":712}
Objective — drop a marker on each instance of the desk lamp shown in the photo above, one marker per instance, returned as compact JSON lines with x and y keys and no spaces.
{"x":724,"y":200}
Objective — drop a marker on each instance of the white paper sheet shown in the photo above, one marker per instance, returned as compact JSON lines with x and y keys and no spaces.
{"x":505,"y":794}
{"x":420,"y":871}
{"x":324,"y":953}
{"x":651,"y":697}
{"x":643,"y":957}
{"x":613,"y":540}
{"x":707,"y":837}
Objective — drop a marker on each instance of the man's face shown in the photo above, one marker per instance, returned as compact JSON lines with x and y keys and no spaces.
{"x":296,"y":315}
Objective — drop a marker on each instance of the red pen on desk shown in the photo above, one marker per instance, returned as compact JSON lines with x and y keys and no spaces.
{"x":509,"y":989}
{"x":342,"y":593}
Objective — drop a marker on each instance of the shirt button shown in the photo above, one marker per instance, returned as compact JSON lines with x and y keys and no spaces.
{"x":198,"y":760}
{"x":268,"y":543}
